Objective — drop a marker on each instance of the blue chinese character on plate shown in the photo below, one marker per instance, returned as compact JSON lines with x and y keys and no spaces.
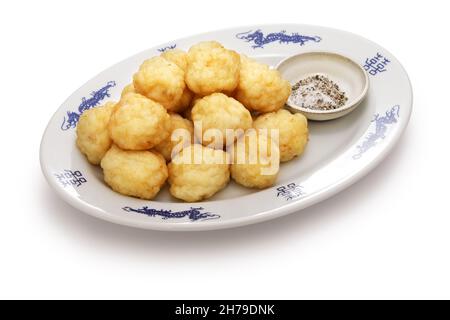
{"x":290,"y":192}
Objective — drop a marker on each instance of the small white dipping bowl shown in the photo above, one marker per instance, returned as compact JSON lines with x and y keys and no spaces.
{"x":347,"y":74}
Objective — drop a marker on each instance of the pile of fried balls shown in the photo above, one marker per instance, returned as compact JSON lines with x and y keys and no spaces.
{"x":132,"y":139}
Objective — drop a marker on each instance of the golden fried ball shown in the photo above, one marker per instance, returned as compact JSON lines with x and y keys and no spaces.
{"x":256,"y":161}
{"x":190,"y":181}
{"x":128,"y":89}
{"x":293,"y":131}
{"x":260,"y":88}
{"x":212,"y":68}
{"x":138,"y":123}
{"x":160,"y":80}
{"x":177,"y":56}
{"x":92,"y":132}
{"x":139,"y":174}
{"x":180,"y":139}
{"x":183,"y":103}
{"x":218,"y":111}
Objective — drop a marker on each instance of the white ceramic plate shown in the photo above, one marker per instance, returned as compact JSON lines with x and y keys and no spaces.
{"x":338,"y":154}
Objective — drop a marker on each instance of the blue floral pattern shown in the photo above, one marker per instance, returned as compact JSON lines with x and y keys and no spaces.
{"x":381,"y":126}
{"x":72,"y":117}
{"x":194,"y":214}
{"x":260,"y":40}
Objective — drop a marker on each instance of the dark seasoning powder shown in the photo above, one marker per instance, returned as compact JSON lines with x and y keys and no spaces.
{"x":317,"y":92}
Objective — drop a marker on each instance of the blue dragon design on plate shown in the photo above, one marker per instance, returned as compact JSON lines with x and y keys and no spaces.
{"x":194,"y":214}
{"x":381,"y":126}
{"x":171,"y":47}
{"x":260,"y":40}
{"x":71,"y":119}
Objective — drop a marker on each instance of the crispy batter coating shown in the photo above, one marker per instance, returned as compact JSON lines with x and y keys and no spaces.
{"x":190,"y":181}
{"x":183,"y":103}
{"x":128,"y":89}
{"x":260,"y":88}
{"x":293,"y":131}
{"x":212,"y":68}
{"x":138,"y":123}
{"x":256,"y":161}
{"x":92,"y":132}
{"x":167,"y":145}
{"x":139,"y":174}
{"x":218,"y":111}
{"x":160,"y":80}
{"x":177,"y":56}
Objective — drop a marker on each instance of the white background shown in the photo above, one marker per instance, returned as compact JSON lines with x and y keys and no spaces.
{"x":388,"y":236}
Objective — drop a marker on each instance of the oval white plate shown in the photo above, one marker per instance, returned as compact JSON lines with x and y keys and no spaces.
{"x":339,"y":152}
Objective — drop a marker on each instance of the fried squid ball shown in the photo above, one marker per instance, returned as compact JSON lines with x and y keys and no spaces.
{"x":197,"y":173}
{"x":212,"y":68}
{"x":177,"y":56}
{"x":256,"y":161}
{"x":128,"y":89}
{"x":260,"y":88}
{"x":220,"y":112}
{"x":138,"y":123}
{"x":92,"y":132}
{"x":134,"y":173}
{"x":293,"y":131}
{"x":179,"y":138}
{"x":160,"y":80}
